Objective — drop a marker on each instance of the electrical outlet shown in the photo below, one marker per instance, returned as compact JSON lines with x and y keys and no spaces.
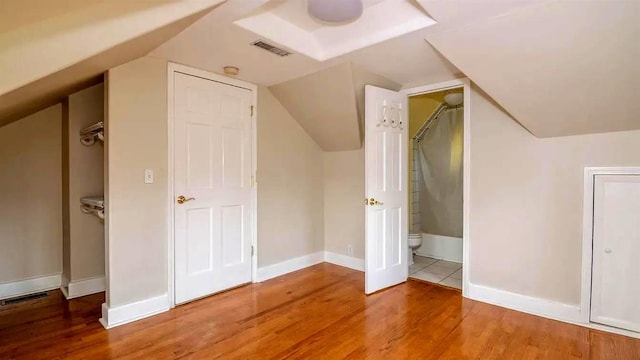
{"x":350,"y":250}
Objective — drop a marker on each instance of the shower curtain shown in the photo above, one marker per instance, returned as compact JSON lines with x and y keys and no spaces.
{"x":440,"y":154}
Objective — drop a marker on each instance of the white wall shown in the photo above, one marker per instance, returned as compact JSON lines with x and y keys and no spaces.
{"x":526,"y":202}
{"x":31,"y":201}
{"x":84,"y":176}
{"x":290,"y":196}
{"x":343,"y":202}
{"x":136,"y":139}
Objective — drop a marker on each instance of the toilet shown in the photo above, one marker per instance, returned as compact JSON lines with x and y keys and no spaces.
{"x":415,"y":240}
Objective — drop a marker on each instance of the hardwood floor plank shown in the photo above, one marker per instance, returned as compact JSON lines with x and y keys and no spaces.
{"x":317,"y":313}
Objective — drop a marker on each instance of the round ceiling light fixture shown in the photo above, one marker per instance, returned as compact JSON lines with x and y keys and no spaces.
{"x":334,"y":12}
{"x":454,"y":99}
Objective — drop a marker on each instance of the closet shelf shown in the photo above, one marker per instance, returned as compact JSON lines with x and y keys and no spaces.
{"x":93,"y":205}
{"x":89,"y":134}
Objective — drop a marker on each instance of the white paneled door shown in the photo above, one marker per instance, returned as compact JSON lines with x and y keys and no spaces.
{"x":615,"y":298}
{"x":212,"y":186}
{"x":386,"y":184}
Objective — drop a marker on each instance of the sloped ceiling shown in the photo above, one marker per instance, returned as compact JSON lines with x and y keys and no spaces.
{"x":52,"y":89}
{"x":215,"y":41}
{"x":49,"y":50}
{"x":559,"y":68}
{"x":328,"y":104}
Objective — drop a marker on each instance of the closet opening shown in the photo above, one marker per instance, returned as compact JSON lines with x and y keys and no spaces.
{"x":52,"y":233}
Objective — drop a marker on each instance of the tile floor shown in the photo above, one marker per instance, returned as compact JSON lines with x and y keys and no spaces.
{"x":441,"y":272}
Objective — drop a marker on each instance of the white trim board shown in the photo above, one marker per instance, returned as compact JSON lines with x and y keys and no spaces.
{"x":350,"y":262}
{"x":291,"y":265}
{"x":527,"y":304}
{"x":465,"y":84}
{"x":301,"y":262}
{"x":30,"y":286}
{"x":549,"y":309}
{"x":120,"y":315}
{"x":171,"y":69}
{"x":84,"y":287}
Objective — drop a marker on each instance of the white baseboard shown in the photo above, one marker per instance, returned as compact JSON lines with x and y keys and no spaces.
{"x":120,"y":315}
{"x":84,"y":287}
{"x":344,"y":260}
{"x":441,"y":247}
{"x":30,"y":286}
{"x":528,"y":304}
{"x":613,"y":330}
{"x":285,"y":267}
{"x":540,"y":307}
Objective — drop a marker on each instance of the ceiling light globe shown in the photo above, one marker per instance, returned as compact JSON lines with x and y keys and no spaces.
{"x":334,"y":11}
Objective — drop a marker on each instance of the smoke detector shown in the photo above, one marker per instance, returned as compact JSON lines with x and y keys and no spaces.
{"x":231,"y":70}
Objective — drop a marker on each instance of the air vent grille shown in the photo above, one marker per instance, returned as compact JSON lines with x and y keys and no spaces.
{"x":270,"y":48}
{"x":24,"y":298}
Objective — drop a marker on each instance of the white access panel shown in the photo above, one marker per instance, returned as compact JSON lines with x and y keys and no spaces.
{"x":615,"y":297}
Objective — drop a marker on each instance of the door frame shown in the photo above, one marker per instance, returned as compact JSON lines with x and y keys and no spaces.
{"x":465,"y":84}
{"x":171,"y":69}
{"x":587,"y":242}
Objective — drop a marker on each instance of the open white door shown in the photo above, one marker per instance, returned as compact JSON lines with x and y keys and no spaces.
{"x":386,"y":186}
{"x":212,"y":184}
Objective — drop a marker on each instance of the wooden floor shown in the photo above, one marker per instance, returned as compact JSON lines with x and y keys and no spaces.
{"x":316,"y":313}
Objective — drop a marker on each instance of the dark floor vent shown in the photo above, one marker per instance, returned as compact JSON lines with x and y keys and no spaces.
{"x":24,"y":298}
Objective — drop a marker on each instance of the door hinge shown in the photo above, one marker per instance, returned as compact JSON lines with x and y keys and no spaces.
{"x":252,"y":110}
{"x":251,"y":250}
{"x":253,"y":181}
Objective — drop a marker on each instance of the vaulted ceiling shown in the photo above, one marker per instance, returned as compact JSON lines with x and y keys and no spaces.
{"x":558,"y":67}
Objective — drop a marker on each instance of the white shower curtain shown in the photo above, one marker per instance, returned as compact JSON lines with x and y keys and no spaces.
{"x":440,"y":195}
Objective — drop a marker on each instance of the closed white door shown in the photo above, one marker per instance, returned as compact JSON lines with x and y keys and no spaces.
{"x":615,"y":298}
{"x":212,"y":185}
{"x":386,"y":188}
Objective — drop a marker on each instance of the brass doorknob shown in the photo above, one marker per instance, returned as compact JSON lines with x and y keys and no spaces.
{"x":373,"y":201}
{"x":182,"y":199}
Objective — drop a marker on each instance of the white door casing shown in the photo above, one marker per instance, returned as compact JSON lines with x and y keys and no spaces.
{"x":212,"y":165}
{"x":616,"y":245}
{"x":386,"y":151}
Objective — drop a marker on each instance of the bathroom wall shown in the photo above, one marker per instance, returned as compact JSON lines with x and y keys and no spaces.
{"x":83,"y":175}
{"x":31,"y":182}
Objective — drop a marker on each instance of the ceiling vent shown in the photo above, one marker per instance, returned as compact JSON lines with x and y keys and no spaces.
{"x":270,"y":48}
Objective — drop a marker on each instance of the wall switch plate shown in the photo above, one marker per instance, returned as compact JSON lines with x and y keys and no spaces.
{"x":148,"y":176}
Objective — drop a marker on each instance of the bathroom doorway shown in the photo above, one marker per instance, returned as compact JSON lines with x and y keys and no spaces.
{"x":437,"y":186}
